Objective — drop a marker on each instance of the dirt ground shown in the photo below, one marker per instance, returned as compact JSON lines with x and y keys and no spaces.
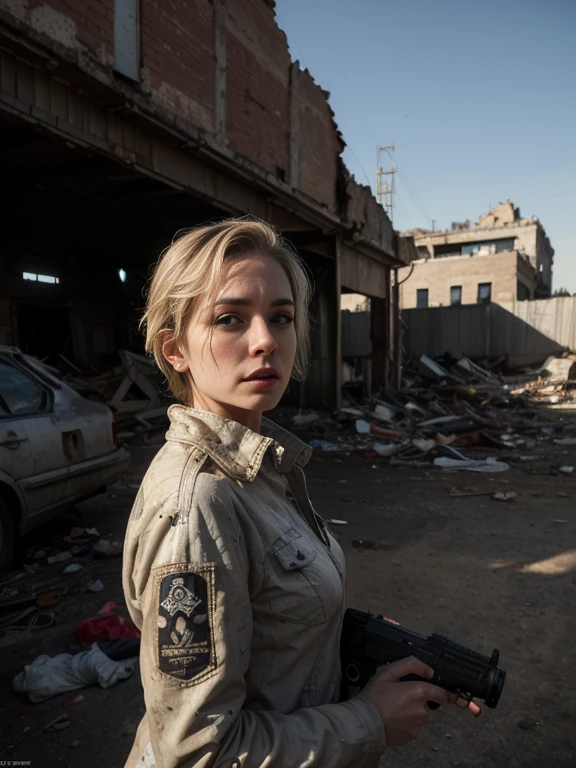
{"x":483,"y":572}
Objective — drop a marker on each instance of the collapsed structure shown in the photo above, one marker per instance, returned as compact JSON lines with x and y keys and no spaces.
{"x":124,"y":122}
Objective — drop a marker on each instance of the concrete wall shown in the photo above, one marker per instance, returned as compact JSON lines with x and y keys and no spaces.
{"x":502,"y":270}
{"x":526,"y":332}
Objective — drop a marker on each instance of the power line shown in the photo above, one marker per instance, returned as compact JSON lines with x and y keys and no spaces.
{"x":405,"y":210}
{"x":360,"y":164}
{"x":412,"y":194}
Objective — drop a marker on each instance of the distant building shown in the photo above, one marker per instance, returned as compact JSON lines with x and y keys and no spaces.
{"x":502,"y":257}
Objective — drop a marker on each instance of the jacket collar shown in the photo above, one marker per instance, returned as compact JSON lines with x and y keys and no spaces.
{"x":235,"y":449}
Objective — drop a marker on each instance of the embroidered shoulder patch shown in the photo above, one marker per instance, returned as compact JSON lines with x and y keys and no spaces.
{"x":186,"y":649}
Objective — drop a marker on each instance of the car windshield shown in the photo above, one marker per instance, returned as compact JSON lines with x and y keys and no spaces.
{"x":19,"y":394}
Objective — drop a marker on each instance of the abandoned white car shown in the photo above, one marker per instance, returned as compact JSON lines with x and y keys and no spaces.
{"x":56,"y":447}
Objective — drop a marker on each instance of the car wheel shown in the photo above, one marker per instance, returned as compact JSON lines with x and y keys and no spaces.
{"x":7,"y":537}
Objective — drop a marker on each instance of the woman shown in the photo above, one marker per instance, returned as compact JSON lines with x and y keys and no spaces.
{"x":234,"y":580}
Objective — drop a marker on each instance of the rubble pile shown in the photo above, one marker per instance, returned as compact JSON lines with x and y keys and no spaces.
{"x":454,"y":416}
{"x":134,"y":390}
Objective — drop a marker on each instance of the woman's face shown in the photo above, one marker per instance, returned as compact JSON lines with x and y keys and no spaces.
{"x":249,"y":327}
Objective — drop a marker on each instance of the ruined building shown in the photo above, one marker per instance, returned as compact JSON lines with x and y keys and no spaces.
{"x":502,"y":257}
{"x":123,"y":121}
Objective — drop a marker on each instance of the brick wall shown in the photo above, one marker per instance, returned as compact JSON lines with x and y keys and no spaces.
{"x":502,"y":270}
{"x":257,"y":84}
{"x":320,"y":143}
{"x":274,"y":115}
{"x":177,"y":54}
{"x":82,"y":26}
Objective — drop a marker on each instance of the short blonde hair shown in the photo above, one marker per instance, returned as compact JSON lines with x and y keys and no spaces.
{"x":192,"y":267}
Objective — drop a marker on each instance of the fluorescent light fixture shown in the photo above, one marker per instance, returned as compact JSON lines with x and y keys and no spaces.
{"x":40,"y":278}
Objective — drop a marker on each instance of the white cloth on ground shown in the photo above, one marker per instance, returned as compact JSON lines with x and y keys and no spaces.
{"x":47,"y":677}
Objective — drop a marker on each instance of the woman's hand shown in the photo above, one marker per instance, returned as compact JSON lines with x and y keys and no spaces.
{"x":402,"y":705}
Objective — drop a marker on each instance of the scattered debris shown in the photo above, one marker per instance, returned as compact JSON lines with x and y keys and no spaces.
{"x":76,"y":700}
{"x":430,"y":369}
{"x":301,"y":419}
{"x":108,"y":607}
{"x":59,"y":558}
{"x":362,"y":427}
{"x":58,"y":723}
{"x":385,"y":449}
{"x":566,"y":469}
{"x":133,"y":389}
{"x":559,"y":368}
{"x":110,"y":626}
{"x":383,"y":412}
{"x":73,"y":568}
{"x":95,"y":586}
{"x":326,"y":447}
{"x":472,"y":465}
{"x":333,"y":521}
{"x":453,"y":410}
{"x":504,"y":495}
{"x":107,"y":548}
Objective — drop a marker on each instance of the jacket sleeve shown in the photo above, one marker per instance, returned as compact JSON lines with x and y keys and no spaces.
{"x":196,"y":639}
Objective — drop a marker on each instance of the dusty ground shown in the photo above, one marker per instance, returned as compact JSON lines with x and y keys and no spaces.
{"x":486,"y":573}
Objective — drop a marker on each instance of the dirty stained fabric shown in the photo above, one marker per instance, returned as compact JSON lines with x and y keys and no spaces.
{"x":47,"y":677}
{"x":239,"y":591}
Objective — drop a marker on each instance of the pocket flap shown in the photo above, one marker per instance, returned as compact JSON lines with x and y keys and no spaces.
{"x":295,"y":554}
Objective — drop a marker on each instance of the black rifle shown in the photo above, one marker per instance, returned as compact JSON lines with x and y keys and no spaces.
{"x":368,"y":641}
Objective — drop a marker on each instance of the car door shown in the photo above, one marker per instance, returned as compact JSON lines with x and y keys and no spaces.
{"x":29,"y":442}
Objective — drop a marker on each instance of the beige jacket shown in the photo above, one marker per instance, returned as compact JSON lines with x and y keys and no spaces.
{"x":239,"y":591}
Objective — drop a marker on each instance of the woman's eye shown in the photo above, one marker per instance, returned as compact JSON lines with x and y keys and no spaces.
{"x":227,"y":320}
{"x":284,"y":319}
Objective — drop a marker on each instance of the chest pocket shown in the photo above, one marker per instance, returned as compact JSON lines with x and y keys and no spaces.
{"x":304,"y":585}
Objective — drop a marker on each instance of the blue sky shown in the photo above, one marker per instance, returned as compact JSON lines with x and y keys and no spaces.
{"x":479,"y":99}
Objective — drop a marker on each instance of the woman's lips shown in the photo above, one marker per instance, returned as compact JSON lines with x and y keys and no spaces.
{"x":263,"y":383}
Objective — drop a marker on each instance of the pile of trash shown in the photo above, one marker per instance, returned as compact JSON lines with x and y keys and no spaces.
{"x":50,"y":572}
{"x":451,"y":417}
{"x":134,"y":390}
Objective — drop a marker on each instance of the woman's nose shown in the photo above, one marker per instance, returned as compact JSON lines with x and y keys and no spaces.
{"x":262,"y":340}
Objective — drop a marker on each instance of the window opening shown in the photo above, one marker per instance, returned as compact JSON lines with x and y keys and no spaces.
{"x":421,"y":298}
{"x":456,"y":294}
{"x":484,"y":293}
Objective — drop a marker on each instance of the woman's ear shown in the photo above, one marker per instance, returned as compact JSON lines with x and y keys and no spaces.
{"x":172,"y":351}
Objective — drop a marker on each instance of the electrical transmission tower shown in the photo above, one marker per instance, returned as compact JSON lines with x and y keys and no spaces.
{"x":385,"y":178}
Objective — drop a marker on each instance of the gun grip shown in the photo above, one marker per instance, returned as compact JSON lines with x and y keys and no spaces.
{"x":431,"y":704}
